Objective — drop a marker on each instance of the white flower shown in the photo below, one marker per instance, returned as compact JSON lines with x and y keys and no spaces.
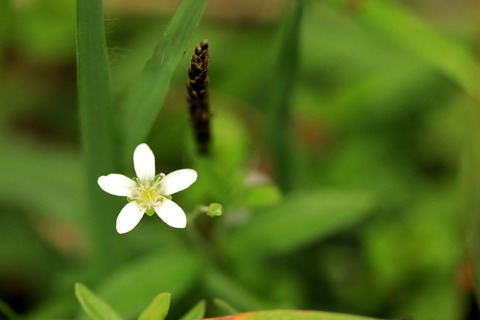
{"x":148,"y":193}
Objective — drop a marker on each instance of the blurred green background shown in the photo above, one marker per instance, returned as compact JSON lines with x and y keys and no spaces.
{"x":352,"y":200}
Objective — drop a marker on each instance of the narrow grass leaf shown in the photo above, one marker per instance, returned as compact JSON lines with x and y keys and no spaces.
{"x":299,"y":220}
{"x":281,"y":83}
{"x":96,"y":123}
{"x":144,"y":100}
{"x":95,"y":307}
{"x":224,"y":306}
{"x":94,"y":94}
{"x":197,"y":312}
{"x":402,"y":27}
{"x":7,"y":312}
{"x":220,"y":284}
{"x":131,"y":286}
{"x":158,"y":309}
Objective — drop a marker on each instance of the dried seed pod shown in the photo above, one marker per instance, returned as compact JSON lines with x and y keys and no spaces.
{"x":197,"y":88}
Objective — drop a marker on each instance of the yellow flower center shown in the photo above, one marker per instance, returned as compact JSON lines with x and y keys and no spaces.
{"x":149,"y":195}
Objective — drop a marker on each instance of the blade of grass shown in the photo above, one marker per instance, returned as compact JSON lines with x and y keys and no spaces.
{"x":144,"y":100}
{"x":95,"y":104}
{"x":408,"y":31}
{"x":224,"y":306}
{"x":197,"y":312}
{"x":455,"y":61}
{"x":94,"y":306}
{"x":158,"y":308}
{"x":281,"y":85}
{"x":309,"y":217}
{"x":220,"y":284}
{"x":7,"y":312}
{"x":129,"y":288}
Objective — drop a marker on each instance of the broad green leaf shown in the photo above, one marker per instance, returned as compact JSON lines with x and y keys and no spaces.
{"x":158,"y":309}
{"x":299,"y":220}
{"x":280,"y":87}
{"x":197,"y":312}
{"x":95,"y":307}
{"x":144,"y":100}
{"x":410,"y":32}
{"x":224,"y":306}
{"x":131,"y":286}
{"x":292,"y":315}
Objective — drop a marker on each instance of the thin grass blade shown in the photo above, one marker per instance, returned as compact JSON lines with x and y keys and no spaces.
{"x":94,"y":306}
{"x":408,"y":31}
{"x":144,"y":100}
{"x":197,"y":312}
{"x":282,"y":81}
{"x":97,"y":132}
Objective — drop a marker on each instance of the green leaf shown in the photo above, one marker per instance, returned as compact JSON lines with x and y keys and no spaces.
{"x":128,"y":288}
{"x":224,"y":306}
{"x":143,"y":102}
{"x":220,"y":284}
{"x":292,"y":315}
{"x":300,"y":219}
{"x":7,"y":312}
{"x":95,"y":307}
{"x":282,"y":81}
{"x":42,"y":172}
{"x":96,"y":123}
{"x":410,"y":32}
{"x":158,"y":309}
{"x":197,"y":312}
{"x":260,"y":196}
{"x":94,"y":93}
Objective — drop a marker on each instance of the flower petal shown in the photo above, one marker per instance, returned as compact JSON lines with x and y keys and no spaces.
{"x":117,"y":184}
{"x":144,"y":163}
{"x":178,"y":180}
{"x":171,"y":214}
{"x":129,"y":217}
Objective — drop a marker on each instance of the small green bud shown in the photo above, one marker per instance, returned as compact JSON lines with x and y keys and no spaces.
{"x":150,"y":211}
{"x":214,"y":210}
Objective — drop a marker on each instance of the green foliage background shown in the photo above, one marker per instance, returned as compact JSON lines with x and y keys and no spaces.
{"x":345,"y":156}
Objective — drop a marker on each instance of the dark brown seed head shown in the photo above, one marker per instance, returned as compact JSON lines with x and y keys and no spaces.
{"x":197,"y":89}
